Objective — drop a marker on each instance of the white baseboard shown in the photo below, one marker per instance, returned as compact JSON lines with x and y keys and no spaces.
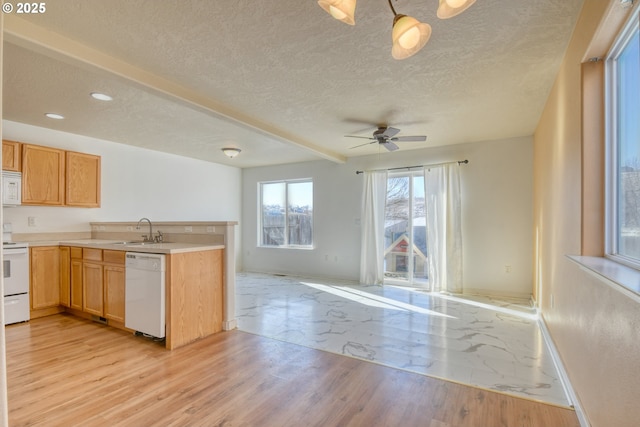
{"x":564,"y":377}
{"x":229,"y":325}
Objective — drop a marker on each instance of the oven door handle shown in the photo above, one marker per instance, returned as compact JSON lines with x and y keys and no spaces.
{"x":15,"y":251}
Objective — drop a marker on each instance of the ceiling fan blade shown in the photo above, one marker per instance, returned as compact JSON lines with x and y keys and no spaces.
{"x":409,"y":138}
{"x":362,"y":145}
{"x":389,"y":132}
{"x":354,"y":136}
{"x":390,"y":146}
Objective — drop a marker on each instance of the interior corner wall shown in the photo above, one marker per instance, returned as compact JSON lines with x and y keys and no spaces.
{"x":496,"y":213}
{"x":594,"y":327}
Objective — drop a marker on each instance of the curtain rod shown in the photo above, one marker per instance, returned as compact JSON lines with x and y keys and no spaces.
{"x":460,"y":162}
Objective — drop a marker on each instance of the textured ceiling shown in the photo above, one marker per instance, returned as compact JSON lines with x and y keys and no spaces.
{"x":282,"y":80}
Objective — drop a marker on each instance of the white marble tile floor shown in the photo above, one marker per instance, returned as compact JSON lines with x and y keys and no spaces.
{"x":486,"y":342}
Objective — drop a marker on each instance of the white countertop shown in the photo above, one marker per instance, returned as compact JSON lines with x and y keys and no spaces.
{"x":119,"y":245}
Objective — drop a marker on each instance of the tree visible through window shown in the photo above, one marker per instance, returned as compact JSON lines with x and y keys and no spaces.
{"x":405,"y":255}
{"x":624,"y":140}
{"x":286,"y":213}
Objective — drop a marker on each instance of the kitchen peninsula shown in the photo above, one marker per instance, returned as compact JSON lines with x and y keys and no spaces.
{"x":199,"y":281}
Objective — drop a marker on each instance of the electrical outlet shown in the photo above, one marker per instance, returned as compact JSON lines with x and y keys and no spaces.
{"x":211,"y":229}
{"x":188,"y":229}
{"x":31,"y":221}
{"x":507,"y":269}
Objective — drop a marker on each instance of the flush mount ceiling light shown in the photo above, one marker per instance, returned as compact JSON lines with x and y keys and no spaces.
{"x":54,"y":116}
{"x":101,"y":96}
{"x":409,"y":35}
{"x":231,"y":152}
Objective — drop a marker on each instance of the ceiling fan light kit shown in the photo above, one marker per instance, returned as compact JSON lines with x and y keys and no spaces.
{"x":409,"y":35}
{"x":385,"y":136}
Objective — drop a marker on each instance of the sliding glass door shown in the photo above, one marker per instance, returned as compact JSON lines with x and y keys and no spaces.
{"x":405,"y":255}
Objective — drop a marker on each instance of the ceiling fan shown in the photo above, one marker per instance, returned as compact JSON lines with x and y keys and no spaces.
{"x":385,"y":136}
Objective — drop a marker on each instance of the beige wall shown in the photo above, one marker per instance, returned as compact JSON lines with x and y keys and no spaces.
{"x":594,"y":327}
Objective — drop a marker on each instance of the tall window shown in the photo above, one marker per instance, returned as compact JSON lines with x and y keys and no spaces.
{"x":405,"y":238}
{"x":623,"y":88}
{"x":286,"y":214}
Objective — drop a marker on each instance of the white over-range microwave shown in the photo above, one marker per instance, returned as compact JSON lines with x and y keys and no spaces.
{"x":11,"y":188}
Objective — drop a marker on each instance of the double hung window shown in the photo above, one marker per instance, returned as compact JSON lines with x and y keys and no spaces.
{"x":623,"y":147}
{"x":286,"y":218}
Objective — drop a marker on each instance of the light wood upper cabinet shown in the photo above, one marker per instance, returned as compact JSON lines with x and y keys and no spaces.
{"x":83,"y":180}
{"x":45,"y":277}
{"x":11,"y":156}
{"x":43,"y":175}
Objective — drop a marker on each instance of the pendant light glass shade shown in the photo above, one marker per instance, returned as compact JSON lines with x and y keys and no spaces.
{"x":450,"y":8}
{"x":409,"y":36}
{"x":342,"y":10}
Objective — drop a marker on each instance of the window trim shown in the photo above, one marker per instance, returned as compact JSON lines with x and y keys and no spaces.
{"x":260,"y":231}
{"x":611,"y":142}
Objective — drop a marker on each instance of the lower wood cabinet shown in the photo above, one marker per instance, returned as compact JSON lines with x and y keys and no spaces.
{"x":93,"y":288}
{"x":65,"y":276}
{"x":93,"y":281}
{"x":114,"y":282}
{"x":44,"y":277}
{"x":75,"y":279}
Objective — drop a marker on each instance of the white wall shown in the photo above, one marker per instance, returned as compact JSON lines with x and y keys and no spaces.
{"x":136,"y":183}
{"x":497,"y":214}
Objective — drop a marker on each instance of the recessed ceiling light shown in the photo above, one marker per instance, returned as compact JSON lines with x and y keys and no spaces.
{"x":54,"y":116}
{"x":101,"y":96}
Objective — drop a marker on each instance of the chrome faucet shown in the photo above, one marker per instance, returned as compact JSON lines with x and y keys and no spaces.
{"x":150,"y":238}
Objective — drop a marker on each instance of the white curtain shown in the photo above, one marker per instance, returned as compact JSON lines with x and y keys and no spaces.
{"x":372,"y":225}
{"x":444,"y":229}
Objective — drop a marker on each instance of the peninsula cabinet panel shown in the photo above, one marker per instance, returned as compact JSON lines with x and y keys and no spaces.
{"x":43,"y":175}
{"x":45,"y":277}
{"x":194,"y":296}
{"x":11,"y":156}
{"x":83,"y":180}
{"x":93,"y":288}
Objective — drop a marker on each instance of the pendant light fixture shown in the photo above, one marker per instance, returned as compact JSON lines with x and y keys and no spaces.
{"x":342,"y":10}
{"x":450,"y":8}
{"x":409,"y":35}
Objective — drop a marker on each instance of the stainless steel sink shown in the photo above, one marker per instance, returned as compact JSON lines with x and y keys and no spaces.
{"x":138,"y":243}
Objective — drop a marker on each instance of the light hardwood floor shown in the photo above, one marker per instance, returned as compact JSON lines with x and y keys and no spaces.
{"x":65,"y":371}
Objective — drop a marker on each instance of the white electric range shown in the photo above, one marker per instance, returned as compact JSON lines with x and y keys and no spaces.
{"x":15,"y":271}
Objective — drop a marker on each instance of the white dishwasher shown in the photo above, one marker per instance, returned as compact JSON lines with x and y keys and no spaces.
{"x":145,"y":293}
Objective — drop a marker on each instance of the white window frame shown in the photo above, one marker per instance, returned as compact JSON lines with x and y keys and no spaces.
{"x":611,"y":143}
{"x":286,"y":244}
